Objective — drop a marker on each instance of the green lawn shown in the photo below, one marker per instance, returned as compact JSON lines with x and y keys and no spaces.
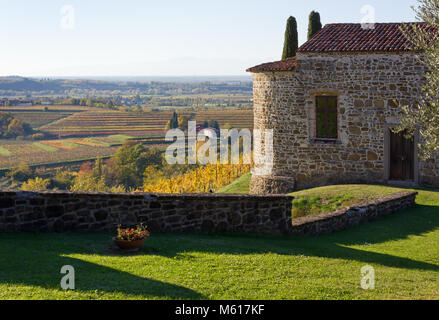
{"x":319,"y":200}
{"x":241,"y":185}
{"x":330,"y":198}
{"x":403,"y":249}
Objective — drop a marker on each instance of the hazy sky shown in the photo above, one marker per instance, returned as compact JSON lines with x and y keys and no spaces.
{"x":161,"y":37}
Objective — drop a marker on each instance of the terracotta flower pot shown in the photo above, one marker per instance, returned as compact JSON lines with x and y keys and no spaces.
{"x":129,"y":245}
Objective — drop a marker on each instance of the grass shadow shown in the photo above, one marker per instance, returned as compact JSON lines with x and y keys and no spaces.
{"x":36,"y":260}
{"x":411,"y":222}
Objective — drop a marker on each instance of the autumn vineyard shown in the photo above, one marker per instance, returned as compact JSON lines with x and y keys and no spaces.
{"x":70,"y":141}
{"x":209,"y":178}
{"x":83,"y":133}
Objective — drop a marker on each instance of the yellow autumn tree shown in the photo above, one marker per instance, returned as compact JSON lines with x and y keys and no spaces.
{"x":208,"y":178}
{"x":37,"y":184}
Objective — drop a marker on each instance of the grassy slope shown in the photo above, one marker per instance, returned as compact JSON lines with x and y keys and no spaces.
{"x":241,"y":185}
{"x":319,"y":200}
{"x":403,"y":249}
{"x":330,"y":198}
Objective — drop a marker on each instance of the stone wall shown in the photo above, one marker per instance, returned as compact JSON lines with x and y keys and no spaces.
{"x":273,"y":185}
{"x":367,"y":86}
{"x":67,"y":211}
{"x":345,"y":218}
{"x":271,"y":214}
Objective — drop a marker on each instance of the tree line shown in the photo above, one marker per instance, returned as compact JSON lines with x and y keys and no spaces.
{"x":181,"y":122}
{"x":133,"y":168}
{"x":127,"y":170}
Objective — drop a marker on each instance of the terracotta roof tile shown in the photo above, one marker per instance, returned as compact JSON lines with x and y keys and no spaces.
{"x":345,"y":37}
{"x":283,"y":65}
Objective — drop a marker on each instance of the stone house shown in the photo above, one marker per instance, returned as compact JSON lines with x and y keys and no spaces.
{"x":331,"y":109}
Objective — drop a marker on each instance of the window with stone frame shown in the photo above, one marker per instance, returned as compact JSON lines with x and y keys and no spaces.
{"x":326,"y":117}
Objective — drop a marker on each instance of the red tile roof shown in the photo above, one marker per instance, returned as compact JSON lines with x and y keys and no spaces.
{"x":283,"y":65}
{"x":347,"y":37}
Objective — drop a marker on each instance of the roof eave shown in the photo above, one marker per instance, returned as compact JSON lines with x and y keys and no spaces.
{"x":268,"y":71}
{"x":358,"y":51}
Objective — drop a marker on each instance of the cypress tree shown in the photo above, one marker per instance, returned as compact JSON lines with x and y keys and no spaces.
{"x":314,"y":24}
{"x":291,"y":39}
{"x":174,"y":121}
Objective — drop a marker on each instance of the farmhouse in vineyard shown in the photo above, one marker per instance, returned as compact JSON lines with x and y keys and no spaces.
{"x":331,"y":109}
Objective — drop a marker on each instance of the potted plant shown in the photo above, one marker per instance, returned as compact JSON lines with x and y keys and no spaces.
{"x":131,"y":239}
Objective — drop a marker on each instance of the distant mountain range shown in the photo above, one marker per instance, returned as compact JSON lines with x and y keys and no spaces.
{"x":33,"y":84}
{"x":169,"y":79}
{"x":16,"y":85}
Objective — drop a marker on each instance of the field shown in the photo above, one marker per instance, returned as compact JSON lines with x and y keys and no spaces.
{"x":238,"y":119}
{"x":4,"y":152}
{"x":402,"y":248}
{"x":94,"y":123}
{"x":58,"y":151}
{"x":85,"y":132}
{"x":38,"y":116}
{"x":50,"y":108}
{"x":140,"y":125}
{"x":49,"y":152}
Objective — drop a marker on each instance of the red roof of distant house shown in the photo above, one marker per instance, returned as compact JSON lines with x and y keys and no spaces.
{"x":348,"y":37}
{"x":283,"y":65}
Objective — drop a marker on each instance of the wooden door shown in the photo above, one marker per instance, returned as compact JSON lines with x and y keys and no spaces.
{"x":402,"y":157}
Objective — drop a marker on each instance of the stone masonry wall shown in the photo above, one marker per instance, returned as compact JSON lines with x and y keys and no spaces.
{"x":66,"y":211}
{"x":345,"y":218}
{"x":367,"y":86}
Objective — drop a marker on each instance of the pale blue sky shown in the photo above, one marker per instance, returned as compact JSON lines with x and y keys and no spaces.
{"x":162,"y":37}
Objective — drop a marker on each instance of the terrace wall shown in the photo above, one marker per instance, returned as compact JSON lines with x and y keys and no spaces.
{"x":270,"y":214}
{"x":347,"y":217}
{"x":67,"y":211}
